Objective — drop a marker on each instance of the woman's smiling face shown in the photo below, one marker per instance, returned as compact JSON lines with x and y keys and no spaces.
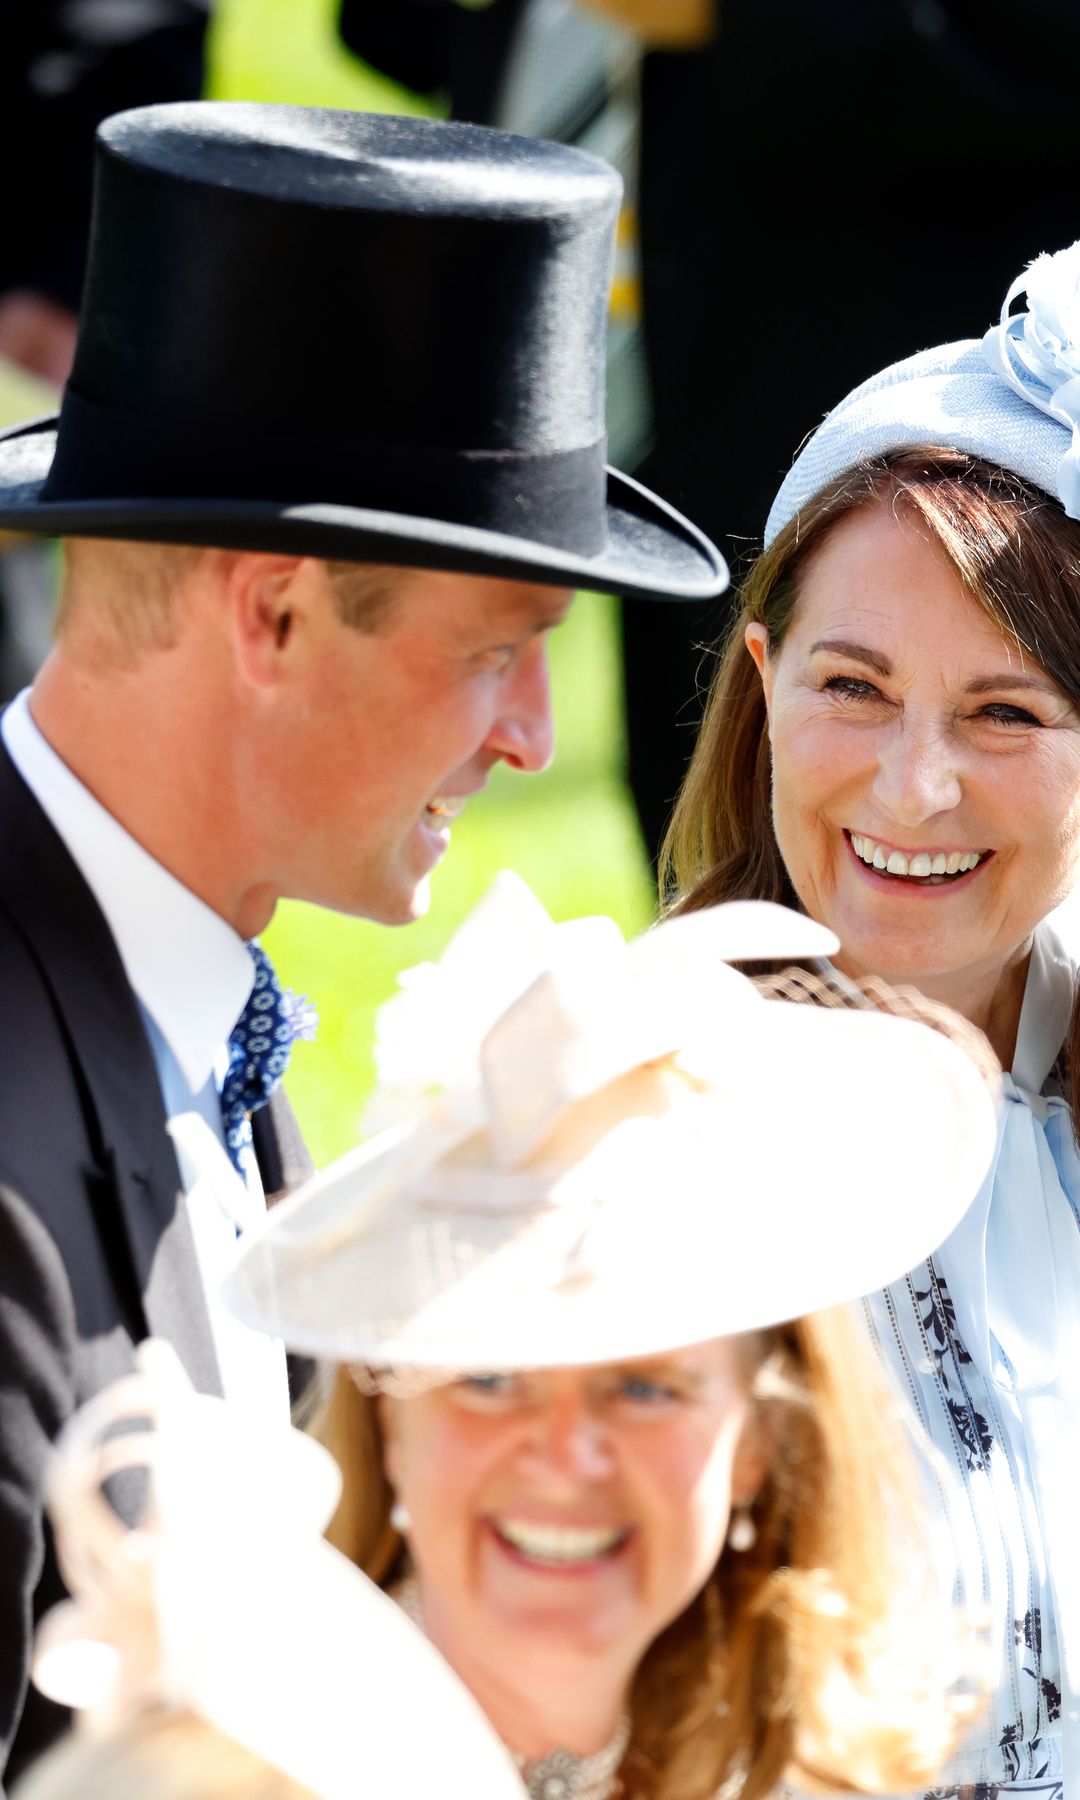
{"x":908,"y":730}
{"x":567,"y":1516}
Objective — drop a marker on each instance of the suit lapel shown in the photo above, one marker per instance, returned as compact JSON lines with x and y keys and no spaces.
{"x":163,"y":1251}
{"x":282,"y":1155}
{"x":51,"y":907}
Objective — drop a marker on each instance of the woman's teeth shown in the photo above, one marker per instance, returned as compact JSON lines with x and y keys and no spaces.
{"x":560,"y":1543}
{"x":920,"y":866}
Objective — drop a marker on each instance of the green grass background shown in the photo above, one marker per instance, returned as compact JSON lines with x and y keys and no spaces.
{"x":570,"y":832}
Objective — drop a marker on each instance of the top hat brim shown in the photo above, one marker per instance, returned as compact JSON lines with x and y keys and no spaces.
{"x":651,"y":552}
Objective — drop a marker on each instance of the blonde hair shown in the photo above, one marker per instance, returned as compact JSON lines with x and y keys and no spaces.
{"x":130,"y":593}
{"x":812,"y":1651}
{"x":134,"y":587}
{"x":160,"y":1756}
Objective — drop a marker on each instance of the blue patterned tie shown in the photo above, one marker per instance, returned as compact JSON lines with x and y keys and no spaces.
{"x":260,"y":1044}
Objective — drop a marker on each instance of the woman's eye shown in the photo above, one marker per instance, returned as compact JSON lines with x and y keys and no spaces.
{"x":485,"y":1386}
{"x":1001,"y":713}
{"x":641,"y":1391}
{"x":850,"y":687}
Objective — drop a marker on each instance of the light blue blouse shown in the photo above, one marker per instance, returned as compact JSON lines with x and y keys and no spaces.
{"x":983,"y":1341}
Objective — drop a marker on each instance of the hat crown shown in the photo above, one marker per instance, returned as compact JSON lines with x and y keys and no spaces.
{"x":381,"y":281}
{"x":361,"y":161}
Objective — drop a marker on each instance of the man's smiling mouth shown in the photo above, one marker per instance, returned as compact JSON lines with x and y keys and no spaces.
{"x":934,"y":867}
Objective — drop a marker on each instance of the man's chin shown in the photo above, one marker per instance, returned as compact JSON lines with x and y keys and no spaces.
{"x":401,"y":905}
{"x":419,"y":902}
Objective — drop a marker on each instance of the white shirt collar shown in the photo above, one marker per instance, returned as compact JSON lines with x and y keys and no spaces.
{"x":189,"y":968}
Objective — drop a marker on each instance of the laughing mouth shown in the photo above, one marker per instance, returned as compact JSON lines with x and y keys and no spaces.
{"x":934,"y":867}
{"x":560,"y":1546}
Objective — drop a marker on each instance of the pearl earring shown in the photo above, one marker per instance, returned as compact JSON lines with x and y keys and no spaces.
{"x":742,"y":1532}
{"x":400,"y":1517}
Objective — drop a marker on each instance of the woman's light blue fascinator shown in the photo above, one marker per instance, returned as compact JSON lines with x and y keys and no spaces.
{"x":1012,"y":398}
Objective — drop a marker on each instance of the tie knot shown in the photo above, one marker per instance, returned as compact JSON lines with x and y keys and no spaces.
{"x":260,"y":1045}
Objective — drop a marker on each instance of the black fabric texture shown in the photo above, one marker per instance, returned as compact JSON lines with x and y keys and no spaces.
{"x":438,"y":48}
{"x":555,"y":497}
{"x":59,"y":77}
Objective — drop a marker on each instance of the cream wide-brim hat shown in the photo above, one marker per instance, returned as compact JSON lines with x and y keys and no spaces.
{"x":644,"y":1153}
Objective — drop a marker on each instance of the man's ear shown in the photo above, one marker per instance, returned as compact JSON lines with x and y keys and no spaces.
{"x":269,"y":602}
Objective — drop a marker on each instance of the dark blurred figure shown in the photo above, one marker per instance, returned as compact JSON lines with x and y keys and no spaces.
{"x":437,"y":48}
{"x":64,"y":66}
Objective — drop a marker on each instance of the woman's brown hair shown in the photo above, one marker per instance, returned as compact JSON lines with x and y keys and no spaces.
{"x":1017,"y":554}
{"x":809,"y":1652}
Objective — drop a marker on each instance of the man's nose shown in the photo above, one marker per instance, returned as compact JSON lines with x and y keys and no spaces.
{"x":918,"y":774}
{"x":523,"y":734}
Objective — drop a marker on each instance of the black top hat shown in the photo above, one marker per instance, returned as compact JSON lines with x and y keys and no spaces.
{"x":346,"y":335}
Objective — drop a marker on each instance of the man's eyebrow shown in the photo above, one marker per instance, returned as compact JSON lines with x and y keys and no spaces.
{"x":856,"y":652}
{"x":541,"y":615}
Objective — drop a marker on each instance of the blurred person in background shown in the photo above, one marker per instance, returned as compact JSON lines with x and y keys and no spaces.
{"x":317,"y":535}
{"x":446,"y":50}
{"x":64,"y":66}
{"x":668,"y":1538}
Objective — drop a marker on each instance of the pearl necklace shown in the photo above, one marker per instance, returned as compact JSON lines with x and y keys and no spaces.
{"x":563,"y":1776}
{"x":560,"y":1775}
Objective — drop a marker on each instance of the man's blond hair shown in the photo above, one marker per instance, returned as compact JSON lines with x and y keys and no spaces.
{"x":137,"y":604}
{"x":134,"y":586}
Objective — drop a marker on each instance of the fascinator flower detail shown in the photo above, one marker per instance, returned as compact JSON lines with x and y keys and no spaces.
{"x":429,"y":1034}
{"x":447,"y":1066}
{"x":1037,"y":353}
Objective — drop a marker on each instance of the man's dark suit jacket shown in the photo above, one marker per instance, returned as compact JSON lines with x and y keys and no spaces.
{"x":96,"y":1251}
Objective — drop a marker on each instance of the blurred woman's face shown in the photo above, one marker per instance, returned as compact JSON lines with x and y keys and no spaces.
{"x":926,"y":774}
{"x":570,"y":1513}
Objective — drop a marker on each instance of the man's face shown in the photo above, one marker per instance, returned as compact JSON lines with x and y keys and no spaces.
{"x":400,"y":724}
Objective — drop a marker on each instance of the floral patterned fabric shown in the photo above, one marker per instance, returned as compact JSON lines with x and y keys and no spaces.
{"x":987,"y":1527}
{"x":979,"y":1342}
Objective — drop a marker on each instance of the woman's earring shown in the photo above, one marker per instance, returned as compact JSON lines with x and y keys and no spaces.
{"x":400,"y":1517}
{"x":742,"y":1532}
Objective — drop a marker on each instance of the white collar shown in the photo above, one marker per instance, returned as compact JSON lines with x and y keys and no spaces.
{"x":190,"y":969}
